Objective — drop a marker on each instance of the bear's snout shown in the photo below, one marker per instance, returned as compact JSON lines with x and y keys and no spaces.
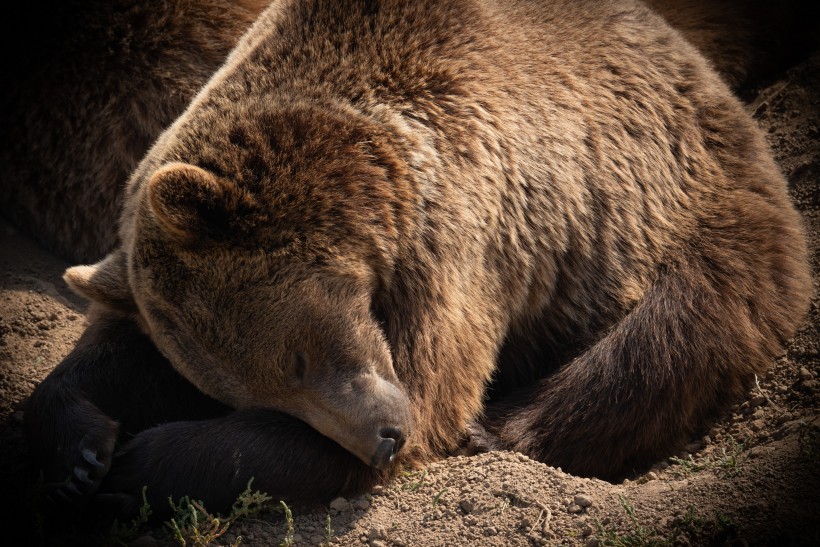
{"x":387,"y":425}
{"x":366,"y":414}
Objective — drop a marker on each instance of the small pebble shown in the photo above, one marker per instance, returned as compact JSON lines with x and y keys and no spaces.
{"x":575,"y":509}
{"x":490,"y":531}
{"x":583,"y":500}
{"x":377,"y":532}
{"x":785,"y":417}
{"x":340,"y":505}
{"x":805,"y":374}
{"x":361,"y":504}
{"x":757,"y":401}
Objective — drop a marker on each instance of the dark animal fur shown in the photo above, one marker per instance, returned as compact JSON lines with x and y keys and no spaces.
{"x":563,"y":200}
{"x":89,"y":86}
{"x":745,"y":40}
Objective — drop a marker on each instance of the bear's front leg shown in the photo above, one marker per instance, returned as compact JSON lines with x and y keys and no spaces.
{"x":213,"y":461}
{"x":114,"y":383}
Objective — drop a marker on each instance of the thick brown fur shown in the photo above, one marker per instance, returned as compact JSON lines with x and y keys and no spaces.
{"x":88,"y":86}
{"x":555,"y":220}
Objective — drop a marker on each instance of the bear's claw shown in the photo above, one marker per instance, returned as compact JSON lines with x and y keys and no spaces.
{"x":91,"y":457}
{"x":82,"y":475}
{"x":477,"y":440}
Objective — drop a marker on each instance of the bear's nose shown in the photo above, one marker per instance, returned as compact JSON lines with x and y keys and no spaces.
{"x":392,"y":439}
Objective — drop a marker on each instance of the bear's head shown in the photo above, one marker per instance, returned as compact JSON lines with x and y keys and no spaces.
{"x":252,"y":262}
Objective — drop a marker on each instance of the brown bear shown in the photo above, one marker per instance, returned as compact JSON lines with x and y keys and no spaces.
{"x":383,"y":224}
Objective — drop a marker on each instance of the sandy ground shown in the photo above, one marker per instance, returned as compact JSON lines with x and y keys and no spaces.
{"x":754,"y":478}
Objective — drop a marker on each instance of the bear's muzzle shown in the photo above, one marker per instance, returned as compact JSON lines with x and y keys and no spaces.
{"x":366,"y":414}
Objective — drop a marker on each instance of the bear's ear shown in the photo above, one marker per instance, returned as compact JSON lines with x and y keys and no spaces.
{"x":188,"y":201}
{"x":106,"y":282}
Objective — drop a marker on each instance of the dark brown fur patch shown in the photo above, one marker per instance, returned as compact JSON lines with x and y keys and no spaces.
{"x":88,"y":86}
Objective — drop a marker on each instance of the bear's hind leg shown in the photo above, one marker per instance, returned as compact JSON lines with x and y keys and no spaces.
{"x":689,"y":348}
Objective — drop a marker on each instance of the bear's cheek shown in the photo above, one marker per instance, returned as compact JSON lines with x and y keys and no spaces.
{"x":225,"y":381}
{"x":219,"y":385}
